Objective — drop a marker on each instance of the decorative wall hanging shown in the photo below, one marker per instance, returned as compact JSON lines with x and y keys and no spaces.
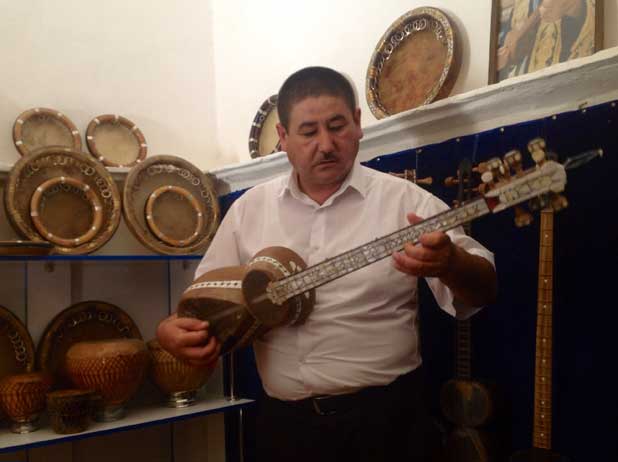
{"x":41,"y":127}
{"x":115,"y":141}
{"x":84,"y":321}
{"x":263,"y":137}
{"x":64,"y":197}
{"x":415,"y":62}
{"x":528,"y":36}
{"x":170,"y":205}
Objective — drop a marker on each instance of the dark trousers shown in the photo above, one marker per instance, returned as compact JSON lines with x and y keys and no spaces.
{"x":374,"y":424}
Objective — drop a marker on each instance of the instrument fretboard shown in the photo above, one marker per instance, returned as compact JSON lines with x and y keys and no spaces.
{"x":544,"y":336}
{"x":380,"y":248}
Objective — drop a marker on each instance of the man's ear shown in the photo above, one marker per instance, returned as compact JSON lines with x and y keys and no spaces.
{"x":283,"y":136}
{"x":357,"y":122}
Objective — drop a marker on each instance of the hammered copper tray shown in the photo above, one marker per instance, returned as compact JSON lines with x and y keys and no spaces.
{"x":415,"y":62}
{"x":24,"y":248}
{"x":66,"y":212}
{"x":116,"y":141}
{"x":16,"y":346}
{"x":41,"y":127}
{"x":84,"y":321}
{"x":153,"y":208}
{"x":263,"y":136}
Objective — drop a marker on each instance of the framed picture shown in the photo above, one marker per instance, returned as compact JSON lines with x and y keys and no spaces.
{"x":528,"y":35}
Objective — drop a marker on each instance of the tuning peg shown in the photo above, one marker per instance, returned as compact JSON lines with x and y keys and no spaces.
{"x":537,"y":150}
{"x":559,"y":202}
{"x":410,"y":174}
{"x":513,"y":159}
{"x":522,"y":216}
{"x":538,"y":203}
{"x":451,"y":181}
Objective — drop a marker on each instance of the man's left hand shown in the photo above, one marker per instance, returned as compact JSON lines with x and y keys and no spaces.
{"x":429,"y":258}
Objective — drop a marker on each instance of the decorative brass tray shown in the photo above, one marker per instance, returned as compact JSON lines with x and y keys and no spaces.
{"x":41,"y":127}
{"x":84,"y":321}
{"x":263,"y":137}
{"x":16,"y":346}
{"x":170,"y":205}
{"x":415,"y":62}
{"x":116,"y":141}
{"x":59,"y":195}
{"x":19,"y":248}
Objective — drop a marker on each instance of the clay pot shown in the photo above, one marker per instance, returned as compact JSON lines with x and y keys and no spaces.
{"x":22,"y":399}
{"x":70,"y":410}
{"x":113,"y":368}
{"x":179,"y":380}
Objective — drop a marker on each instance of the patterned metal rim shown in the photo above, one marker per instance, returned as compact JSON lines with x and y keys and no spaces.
{"x":92,"y":198}
{"x":256,"y":126}
{"x":403,"y":27}
{"x":20,"y":339}
{"x":115,"y":119}
{"x":63,"y":159}
{"x":181,"y":170}
{"x":74,"y":316}
{"x":38,"y":111}
{"x":152,"y":224}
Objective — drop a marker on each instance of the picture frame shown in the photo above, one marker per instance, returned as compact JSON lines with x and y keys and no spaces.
{"x":529,"y":35}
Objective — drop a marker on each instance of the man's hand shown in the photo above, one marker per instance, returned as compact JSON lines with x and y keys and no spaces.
{"x":430,"y":258}
{"x":188,"y":339}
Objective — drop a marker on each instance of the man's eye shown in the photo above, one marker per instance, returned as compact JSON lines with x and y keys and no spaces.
{"x":335,"y":128}
{"x":308,"y":134}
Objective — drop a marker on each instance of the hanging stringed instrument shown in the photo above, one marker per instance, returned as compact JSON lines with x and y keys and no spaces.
{"x":542,"y":420}
{"x":465,"y":402}
{"x":276,"y":287}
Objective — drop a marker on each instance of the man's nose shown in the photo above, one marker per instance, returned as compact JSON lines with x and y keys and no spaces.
{"x":325,"y":142}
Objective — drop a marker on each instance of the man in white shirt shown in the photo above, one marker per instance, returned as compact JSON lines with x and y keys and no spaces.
{"x":346,"y":383}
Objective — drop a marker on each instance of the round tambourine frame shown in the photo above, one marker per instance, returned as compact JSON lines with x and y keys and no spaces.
{"x":172,"y":228}
{"x":116,"y":141}
{"x":84,"y":321}
{"x":395,"y":84}
{"x":55,"y":162}
{"x":16,"y":345}
{"x":263,"y":127}
{"x":41,"y":127}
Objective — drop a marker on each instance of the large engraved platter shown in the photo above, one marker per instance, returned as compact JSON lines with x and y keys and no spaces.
{"x":41,"y":127}
{"x":170,"y":205}
{"x":16,"y":346}
{"x":65,"y":212}
{"x":116,"y":141}
{"x":263,"y":136}
{"x":415,"y":62}
{"x":84,"y":321}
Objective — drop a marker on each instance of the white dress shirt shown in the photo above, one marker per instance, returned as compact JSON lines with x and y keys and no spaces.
{"x":363,"y":330}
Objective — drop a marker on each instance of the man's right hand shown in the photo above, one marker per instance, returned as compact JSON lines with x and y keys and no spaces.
{"x":188,"y":339}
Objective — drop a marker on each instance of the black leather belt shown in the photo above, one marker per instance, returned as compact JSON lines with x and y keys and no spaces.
{"x":333,"y":404}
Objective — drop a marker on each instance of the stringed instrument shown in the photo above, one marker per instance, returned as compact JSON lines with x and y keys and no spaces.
{"x":465,"y":402}
{"x":542,"y":420}
{"x":277,"y":288}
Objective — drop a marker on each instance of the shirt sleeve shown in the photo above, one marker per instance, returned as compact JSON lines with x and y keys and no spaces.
{"x":223,"y":250}
{"x":444,"y":296}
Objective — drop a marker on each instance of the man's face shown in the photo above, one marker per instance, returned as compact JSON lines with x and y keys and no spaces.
{"x":321,"y":141}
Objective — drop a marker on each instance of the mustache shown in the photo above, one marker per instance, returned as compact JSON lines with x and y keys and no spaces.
{"x":327,"y":156}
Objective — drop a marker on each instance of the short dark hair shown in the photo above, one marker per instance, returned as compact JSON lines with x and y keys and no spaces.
{"x":313,"y":82}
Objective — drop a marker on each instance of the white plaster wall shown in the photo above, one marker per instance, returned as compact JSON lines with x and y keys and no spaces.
{"x":151,"y":61}
{"x":258,"y":44}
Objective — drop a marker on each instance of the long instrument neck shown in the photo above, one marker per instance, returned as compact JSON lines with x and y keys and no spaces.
{"x":359,"y":257}
{"x":544,"y":336}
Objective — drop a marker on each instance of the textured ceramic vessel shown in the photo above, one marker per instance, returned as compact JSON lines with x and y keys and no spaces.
{"x":70,"y":410}
{"x":22,"y":399}
{"x":113,"y":368}
{"x":179,"y":380}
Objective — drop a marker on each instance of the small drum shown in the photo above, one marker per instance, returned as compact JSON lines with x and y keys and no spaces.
{"x":41,"y":127}
{"x":263,"y":136}
{"x":116,"y":141}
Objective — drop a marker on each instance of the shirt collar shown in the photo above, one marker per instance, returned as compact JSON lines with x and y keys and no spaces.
{"x":356,"y":180}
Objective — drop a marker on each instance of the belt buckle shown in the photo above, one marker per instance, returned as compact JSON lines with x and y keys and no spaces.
{"x":316,"y":406}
